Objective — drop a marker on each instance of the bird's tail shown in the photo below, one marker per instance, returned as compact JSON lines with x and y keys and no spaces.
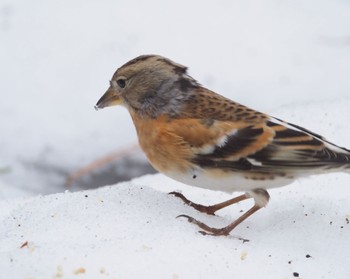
{"x":337,"y":157}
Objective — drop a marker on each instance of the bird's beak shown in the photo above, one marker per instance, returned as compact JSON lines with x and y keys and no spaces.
{"x":110,"y":98}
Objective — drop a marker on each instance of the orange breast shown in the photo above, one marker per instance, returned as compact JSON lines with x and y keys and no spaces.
{"x":164,"y":149}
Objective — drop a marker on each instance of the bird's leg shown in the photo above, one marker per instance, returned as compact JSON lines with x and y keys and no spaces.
{"x":211,"y":209}
{"x":261,"y":198}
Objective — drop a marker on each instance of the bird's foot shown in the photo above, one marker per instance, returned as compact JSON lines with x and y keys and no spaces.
{"x":206,"y":230}
{"x":210,"y":210}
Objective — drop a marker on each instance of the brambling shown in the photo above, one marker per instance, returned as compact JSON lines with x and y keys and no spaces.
{"x":203,"y":139}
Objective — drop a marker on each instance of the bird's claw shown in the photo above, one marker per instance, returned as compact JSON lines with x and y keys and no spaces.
{"x":210,"y":210}
{"x":206,"y":230}
{"x":189,"y":218}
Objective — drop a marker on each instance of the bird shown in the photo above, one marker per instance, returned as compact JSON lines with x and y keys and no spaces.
{"x":203,"y":139}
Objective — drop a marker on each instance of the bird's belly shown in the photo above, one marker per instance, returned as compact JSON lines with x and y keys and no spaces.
{"x":227,"y":181}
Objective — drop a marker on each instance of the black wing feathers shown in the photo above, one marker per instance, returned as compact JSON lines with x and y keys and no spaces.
{"x":292,"y":148}
{"x":236,"y":142}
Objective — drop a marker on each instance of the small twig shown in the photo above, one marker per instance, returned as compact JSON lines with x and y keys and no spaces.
{"x":24,"y":245}
{"x":113,"y":156}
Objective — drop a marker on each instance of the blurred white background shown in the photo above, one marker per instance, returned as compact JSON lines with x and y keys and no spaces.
{"x":290,"y":59}
{"x":56,"y":58}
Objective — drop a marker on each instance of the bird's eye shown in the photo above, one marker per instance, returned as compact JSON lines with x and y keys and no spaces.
{"x":121,"y":82}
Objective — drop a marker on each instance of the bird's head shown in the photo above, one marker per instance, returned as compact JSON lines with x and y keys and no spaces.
{"x":149,"y":85}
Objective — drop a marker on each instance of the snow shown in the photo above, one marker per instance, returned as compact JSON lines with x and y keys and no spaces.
{"x":129,"y":230}
{"x":288,"y":58}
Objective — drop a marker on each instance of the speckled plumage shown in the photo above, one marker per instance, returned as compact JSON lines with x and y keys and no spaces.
{"x":201,"y":138}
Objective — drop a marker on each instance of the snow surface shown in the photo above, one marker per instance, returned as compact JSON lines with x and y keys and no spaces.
{"x":129,"y":230}
{"x":288,"y":58}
